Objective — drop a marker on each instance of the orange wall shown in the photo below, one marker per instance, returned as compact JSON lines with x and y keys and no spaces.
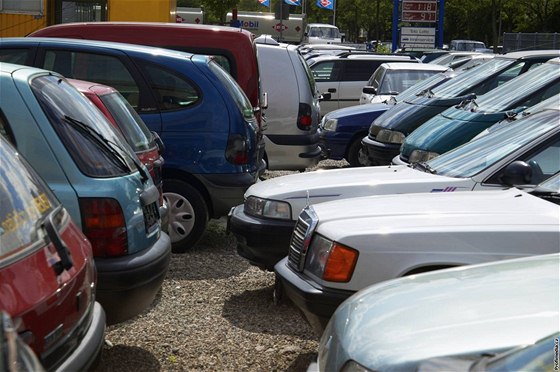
{"x":142,"y":10}
{"x":20,"y":24}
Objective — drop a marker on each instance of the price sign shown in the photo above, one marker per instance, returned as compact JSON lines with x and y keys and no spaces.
{"x":419,"y":11}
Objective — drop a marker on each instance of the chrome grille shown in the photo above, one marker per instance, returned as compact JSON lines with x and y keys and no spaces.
{"x":301,"y":238}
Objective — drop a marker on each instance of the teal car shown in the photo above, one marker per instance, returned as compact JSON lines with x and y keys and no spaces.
{"x":97,"y":177}
{"x":459,"y":124}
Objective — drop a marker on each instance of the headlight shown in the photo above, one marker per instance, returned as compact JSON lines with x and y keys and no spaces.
{"x":330,"y":260}
{"x":330,"y":124}
{"x":267,"y":208}
{"x":373,"y":130}
{"x":390,"y":136}
{"x":418,"y":156}
{"x":351,"y":366}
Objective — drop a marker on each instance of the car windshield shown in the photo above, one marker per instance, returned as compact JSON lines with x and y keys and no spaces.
{"x":552,"y":184}
{"x":133,"y":127}
{"x":324,"y":32}
{"x":472,"y":77}
{"x":235,"y":91}
{"x":502,"y":97}
{"x":475,"y":156}
{"x":400,"y":80}
{"x":428,"y":83}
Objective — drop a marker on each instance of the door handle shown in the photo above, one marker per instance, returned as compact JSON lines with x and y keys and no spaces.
{"x":331,"y":90}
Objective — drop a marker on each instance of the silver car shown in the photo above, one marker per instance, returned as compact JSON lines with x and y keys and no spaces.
{"x":466,"y":312}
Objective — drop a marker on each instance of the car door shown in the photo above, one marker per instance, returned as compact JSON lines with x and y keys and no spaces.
{"x":355,"y":75}
{"x":327,"y":78}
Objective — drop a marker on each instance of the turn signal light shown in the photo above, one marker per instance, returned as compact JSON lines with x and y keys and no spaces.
{"x":340,"y":263}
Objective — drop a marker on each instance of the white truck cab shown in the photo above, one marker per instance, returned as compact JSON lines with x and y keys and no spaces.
{"x":321,"y":33}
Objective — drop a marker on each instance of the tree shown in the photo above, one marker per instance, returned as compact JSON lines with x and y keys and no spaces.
{"x":216,"y":10}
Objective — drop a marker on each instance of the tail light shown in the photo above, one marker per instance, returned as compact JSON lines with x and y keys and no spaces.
{"x":104,"y":225}
{"x":304,"y":117}
{"x":237,"y":150}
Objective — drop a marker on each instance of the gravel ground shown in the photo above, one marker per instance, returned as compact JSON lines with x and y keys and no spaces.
{"x":214,"y":313}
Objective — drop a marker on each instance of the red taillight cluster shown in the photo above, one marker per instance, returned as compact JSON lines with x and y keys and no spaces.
{"x":305,"y":119}
{"x":104,"y":225}
{"x":237,"y":150}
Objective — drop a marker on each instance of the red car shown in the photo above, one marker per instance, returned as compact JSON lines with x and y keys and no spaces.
{"x":146,"y":144}
{"x":47,"y":273}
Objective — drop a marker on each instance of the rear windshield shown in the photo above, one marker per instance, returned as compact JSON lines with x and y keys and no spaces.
{"x":25,"y":200}
{"x":133,"y":127}
{"x":95,"y":146}
{"x":235,"y":91}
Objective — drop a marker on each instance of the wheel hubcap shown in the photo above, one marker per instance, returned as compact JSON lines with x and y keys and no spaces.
{"x":181,"y":216}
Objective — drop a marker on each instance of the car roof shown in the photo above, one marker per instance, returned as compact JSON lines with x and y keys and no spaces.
{"x":364,"y":55}
{"x":415,"y":66}
{"x":97,"y":44}
{"x":531,"y":53}
{"x":167,"y":25}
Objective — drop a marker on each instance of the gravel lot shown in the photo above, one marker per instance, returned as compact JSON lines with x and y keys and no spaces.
{"x":214,"y":313}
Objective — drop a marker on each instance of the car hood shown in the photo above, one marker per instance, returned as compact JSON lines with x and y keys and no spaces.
{"x":496,"y":210}
{"x":448,"y":130}
{"x":366,"y":109}
{"x":325,"y":185}
{"x":461,"y":311}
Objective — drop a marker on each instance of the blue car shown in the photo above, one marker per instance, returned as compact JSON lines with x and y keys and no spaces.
{"x":213,"y":145}
{"x":341,"y":131}
{"x":97,"y":177}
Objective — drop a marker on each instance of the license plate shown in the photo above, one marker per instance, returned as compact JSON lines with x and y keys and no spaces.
{"x":151,"y":216}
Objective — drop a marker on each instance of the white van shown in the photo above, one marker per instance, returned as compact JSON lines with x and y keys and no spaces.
{"x":292,"y":115}
{"x":321,"y":33}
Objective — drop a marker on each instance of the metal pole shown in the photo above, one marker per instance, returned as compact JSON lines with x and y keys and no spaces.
{"x":334,"y":13}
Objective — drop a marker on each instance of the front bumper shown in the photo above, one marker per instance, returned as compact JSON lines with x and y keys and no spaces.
{"x":316,"y":302}
{"x":263,"y":242}
{"x":128,"y":285}
{"x":334,"y":144}
{"x":377,"y":153}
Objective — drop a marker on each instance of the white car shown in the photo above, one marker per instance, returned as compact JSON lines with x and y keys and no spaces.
{"x":343,"y":246}
{"x":391,"y":79}
{"x":451,"y":320}
{"x":263,"y":225}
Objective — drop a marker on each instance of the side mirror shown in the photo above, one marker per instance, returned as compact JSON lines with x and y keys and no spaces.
{"x":159,"y":142}
{"x":264,"y":101}
{"x":517,"y":173}
{"x":325,"y":96}
{"x":369,"y":90}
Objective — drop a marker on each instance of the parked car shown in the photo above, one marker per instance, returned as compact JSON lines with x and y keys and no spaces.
{"x":343,"y":246}
{"x":212,"y":151}
{"x":146,"y":145}
{"x":98,"y":178}
{"x":456,"y":57}
{"x":341,"y":78}
{"x":468,"y":45}
{"x":47,"y":273}
{"x":387,"y":132}
{"x":233,"y":48}
{"x":463,"y":316}
{"x":341,"y":131}
{"x":458,"y":124}
{"x":292,"y":114}
{"x":15,"y":354}
{"x":264,"y":224}
{"x":390,"y":79}
{"x":321,"y":33}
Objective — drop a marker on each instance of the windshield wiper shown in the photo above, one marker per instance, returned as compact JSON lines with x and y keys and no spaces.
{"x":106,"y":144}
{"x":425,"y":167}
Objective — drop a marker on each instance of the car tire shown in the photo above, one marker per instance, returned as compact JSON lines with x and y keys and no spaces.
{"x":188,"y":214}
{"x":353,"y":153}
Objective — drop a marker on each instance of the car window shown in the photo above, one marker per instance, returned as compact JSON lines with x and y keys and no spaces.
{"x":133,"y":127}
{"x":25,"y":200}
{"x":95,"y":146}
{"x":475,"y":156}
{"x":14,"y":55}
{"x":397,"y":81}
{"x":325,"y":71}
{"x":103,"y":69}
{"x":172,"y":90}
{"x":356,"y":70}
{"x":375,"y":78}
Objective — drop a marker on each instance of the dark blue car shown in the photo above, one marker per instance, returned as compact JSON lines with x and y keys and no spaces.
{"x":341,"y":131}
{"x":213,"y":145}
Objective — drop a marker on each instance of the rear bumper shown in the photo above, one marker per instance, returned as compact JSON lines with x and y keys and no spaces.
{"x":89,"y":349}
{"x":128,"y":285}
{"x":291,"y":153}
